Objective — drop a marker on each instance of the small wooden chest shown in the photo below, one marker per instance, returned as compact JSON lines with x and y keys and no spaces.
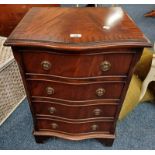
{"x":76,"y":65}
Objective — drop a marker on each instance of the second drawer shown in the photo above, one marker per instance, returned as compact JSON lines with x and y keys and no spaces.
{"x":74,"y":111}
{"x":75,"y":91}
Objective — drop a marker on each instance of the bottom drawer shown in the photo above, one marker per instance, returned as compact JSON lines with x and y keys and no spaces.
{"x":45,"y":124}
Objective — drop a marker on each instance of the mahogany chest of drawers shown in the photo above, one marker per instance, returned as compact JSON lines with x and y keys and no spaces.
{"x":76,"y":65}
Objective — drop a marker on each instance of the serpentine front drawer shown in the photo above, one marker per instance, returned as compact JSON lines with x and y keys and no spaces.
{"x":76,"y":65}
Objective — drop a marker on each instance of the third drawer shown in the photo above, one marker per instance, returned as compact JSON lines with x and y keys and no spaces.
{"x":53,"y":109}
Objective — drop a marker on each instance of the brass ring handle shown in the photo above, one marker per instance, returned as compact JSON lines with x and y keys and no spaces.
{"x":100,"y":92}
{"x":105,"y":66}
{"x":97,"y":111}
{"x":52,"y":110}
{"x":46,"y":65}
{"x":50,"y":90}
{"x":94,"y":127}
{"x":54,"y":126}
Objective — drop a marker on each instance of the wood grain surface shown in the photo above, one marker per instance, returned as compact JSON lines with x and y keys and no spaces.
{"x":11,"y":14}
{"x":99,"y":27}
{"x":70,"y":94}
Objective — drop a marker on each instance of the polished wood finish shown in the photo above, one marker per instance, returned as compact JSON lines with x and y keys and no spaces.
{"x":50,"y":30}
{"x":76,"y":75}
{"x":74,"y":112}
{"x":75,"y":91}
{"x":11,"y":14}
{"x":150,"y":14}
{"x":76,"y":136}
{"x":62,"y":126}
{"x":89,"y":65}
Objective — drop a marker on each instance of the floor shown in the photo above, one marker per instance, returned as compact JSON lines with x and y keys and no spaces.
{"x":134,"y":132}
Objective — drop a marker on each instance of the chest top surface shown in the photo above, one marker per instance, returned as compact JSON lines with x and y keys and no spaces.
{"x":77,"y":28}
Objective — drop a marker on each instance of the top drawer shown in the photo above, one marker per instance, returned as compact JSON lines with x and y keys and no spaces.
{"x":76,"y":65}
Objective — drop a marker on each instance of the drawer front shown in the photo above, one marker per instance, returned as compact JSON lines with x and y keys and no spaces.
{"x":77,"y":66}
{"x":74,"y":112}
{"x":76,"y":91}
{"x":73,"y":127}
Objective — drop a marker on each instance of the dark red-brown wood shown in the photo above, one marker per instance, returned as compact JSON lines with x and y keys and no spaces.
{"x":78,"y":66}
{"x":52,"y":27}
{"x":62,"y":126}
{"x":11,"y":14}
{"x":75,"y":91}
{"x":75,"y":69}
{"x":77,"y":112}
